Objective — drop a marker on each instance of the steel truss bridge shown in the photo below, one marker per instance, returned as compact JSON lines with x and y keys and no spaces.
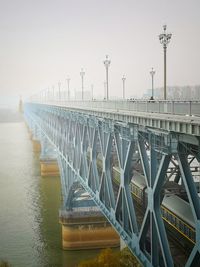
{"x":162,"y":137}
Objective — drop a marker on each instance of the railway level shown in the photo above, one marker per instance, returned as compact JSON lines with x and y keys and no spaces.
{"x":176,"y":211}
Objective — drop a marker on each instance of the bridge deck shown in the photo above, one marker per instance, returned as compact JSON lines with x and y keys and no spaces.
{"x":162,"y":121}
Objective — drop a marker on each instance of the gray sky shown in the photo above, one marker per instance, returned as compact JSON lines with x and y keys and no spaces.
{"x":43,"y":41}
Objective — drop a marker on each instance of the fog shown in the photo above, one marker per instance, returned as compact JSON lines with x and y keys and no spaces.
{"x":44,"y":41}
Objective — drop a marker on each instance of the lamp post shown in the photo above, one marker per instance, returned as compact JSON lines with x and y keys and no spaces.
{"x":82,"y":73}
{"x":48,"y":94}
{"x":59,"y":93}
{"x":152,"y":72}
{"x":45,"y":95}
{"x":123,"y":86}
{"x":92,"y":89}
{"x":53,"y":92}
{"x":164,"y":40}
{"x":106,"y":63}
{"x":68,"y":92}
{"x":41,"y":96}
{"x":104,"y":84}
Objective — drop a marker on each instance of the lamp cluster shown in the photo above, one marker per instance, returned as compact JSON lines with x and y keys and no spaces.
{"x":165,"y":37}
{"x":164,"y":40}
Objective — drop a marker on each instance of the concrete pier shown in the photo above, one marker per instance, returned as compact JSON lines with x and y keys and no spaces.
{"x":30,"y":134}
{"x":49,"y":167}
{"x":36,"y":146}
{"x":86,"y":228}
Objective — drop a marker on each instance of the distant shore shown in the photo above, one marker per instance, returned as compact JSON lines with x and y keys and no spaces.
{"x":9,"y":115}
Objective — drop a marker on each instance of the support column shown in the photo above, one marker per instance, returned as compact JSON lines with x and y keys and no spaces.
{"x":83,"y":225}
{"x":34,"y":134}
{"x":48,"y":160}
{"x":86,"y":229}
{"x":155,"y":169}
{"x":125,"y":211}
{"x":36,"y":146}
{"x":49,"y":167}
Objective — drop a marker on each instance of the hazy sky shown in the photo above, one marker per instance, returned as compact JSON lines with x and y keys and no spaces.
{"x":43,"y":41}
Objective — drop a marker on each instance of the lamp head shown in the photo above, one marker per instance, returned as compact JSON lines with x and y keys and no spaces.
{"x":107,"y":61}
{"x":164,"y":37}
{"x":82,"y":73}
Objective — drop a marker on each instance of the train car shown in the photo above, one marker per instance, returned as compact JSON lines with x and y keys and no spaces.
{"x":116,"y":174}
{"x":138,"y":188}
{"x":175,"y":188}
{"x":178,"y":214}
{"x":137,"y":185}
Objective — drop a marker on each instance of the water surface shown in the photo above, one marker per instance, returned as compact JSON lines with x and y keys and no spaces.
{"x":30,"y":235}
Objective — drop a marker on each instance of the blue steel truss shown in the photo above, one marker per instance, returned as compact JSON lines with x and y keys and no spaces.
{"x":82,"y":140}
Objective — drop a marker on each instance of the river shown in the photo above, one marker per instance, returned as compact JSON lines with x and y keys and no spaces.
{"x":30,"y":234}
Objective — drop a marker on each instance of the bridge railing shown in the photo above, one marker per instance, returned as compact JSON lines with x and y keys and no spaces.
{"x":187,"y":108}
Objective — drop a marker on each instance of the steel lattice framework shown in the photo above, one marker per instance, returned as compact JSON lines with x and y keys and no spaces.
{"x":82,"y":140}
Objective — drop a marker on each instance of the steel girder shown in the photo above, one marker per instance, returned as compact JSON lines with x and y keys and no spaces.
{"x":194,"y":200}
{"x":155,"y":172}
{"x":50,"y":151}
{"x":80,"y":138}
{"x":67,"y":180}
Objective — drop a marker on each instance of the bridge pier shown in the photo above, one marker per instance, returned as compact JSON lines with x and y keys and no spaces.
{"x":48,"y":160}
{"x":36,"y":145}
{"x":49,"y":167}
{"x":87,"y":231}
{"x":34,"y":136}
{"x":30,"y":134}
{"x":84,"y":226}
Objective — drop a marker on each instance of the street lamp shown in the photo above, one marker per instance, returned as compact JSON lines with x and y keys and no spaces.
{"x":41,"y":96}
{"x":68,"y":93}
{"x":104,"y":84}
{"x":92,"y":89}
{"x":59,"y":93}
{"x":47,"y":94}
{"x":82,"y":73}
{"x":152,"y":72}
{"x":106,"y":63}
{"x":164,"y":40}
{"x":53,"y":92}
{"x":123,"y":86}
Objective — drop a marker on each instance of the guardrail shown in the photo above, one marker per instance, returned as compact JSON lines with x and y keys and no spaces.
{"x":186,"y":108}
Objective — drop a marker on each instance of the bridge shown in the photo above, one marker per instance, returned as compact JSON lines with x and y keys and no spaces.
{"x":139,"y":161}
